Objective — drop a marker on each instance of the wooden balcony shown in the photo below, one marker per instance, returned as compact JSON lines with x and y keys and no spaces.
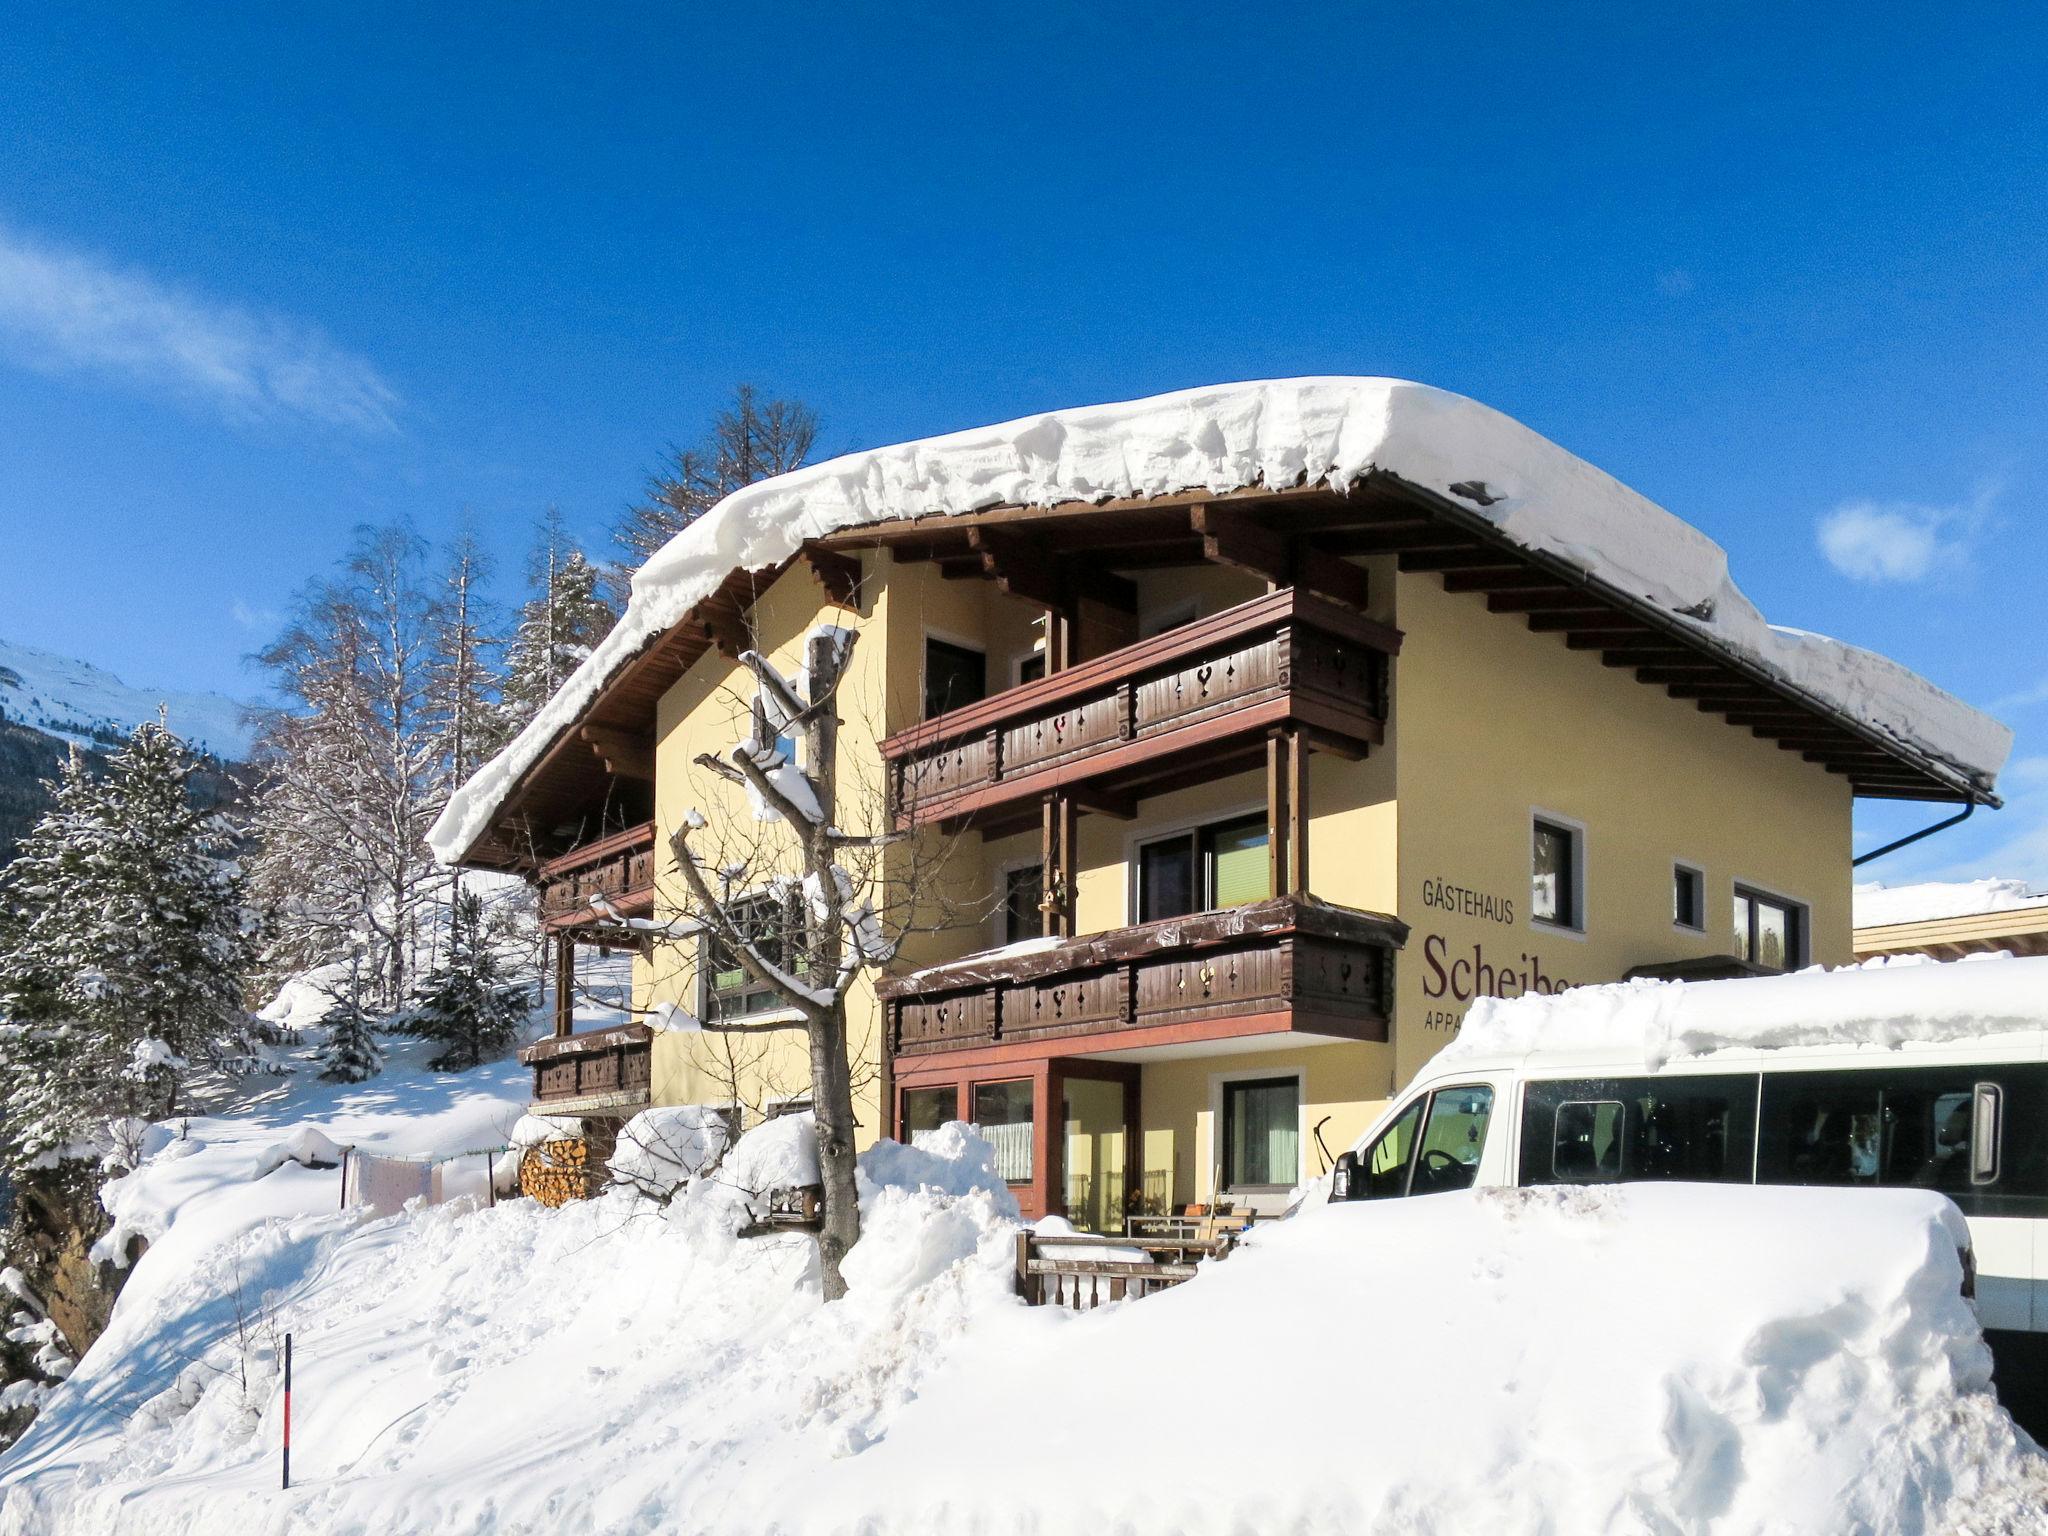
{"x":1187,"y":704}
{"x":604,"y":1073}
{"x":1287,"y":965}
{"x":619,"y":868}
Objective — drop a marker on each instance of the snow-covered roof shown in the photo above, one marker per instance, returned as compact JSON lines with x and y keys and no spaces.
{"x":1230,"y":437}
{"x":1879,"y":906}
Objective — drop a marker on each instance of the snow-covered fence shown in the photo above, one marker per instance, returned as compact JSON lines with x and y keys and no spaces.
{"x":1080,"y":1272}
{"x":385,"y":1184}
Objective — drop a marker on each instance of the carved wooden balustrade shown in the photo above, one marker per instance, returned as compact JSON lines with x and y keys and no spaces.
{"x":618,"y":868}
{"x":1189,"y":701}
{"x":606,"y":1072}
{"x":1286,"y":964}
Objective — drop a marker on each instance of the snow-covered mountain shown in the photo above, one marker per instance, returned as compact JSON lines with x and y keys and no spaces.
{"x":79,"y":702}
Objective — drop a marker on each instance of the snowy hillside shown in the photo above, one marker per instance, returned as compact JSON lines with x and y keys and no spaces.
{"x":1640,"y":1358}
{"x":78,"y":702}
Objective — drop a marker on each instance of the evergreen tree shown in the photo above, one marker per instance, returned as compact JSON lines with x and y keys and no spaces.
{"x":461,"y":684}
{"x":749,"y":440}
{"x":351,"y":1053}
{"x":121,"y":948}
{"x":467,"y":1005}
{"x":558,"y":626}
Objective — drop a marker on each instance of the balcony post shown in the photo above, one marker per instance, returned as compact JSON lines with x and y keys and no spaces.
{"x":565,"y":984}
{"x":1297,"y":813}
{"x":1058,"y":834}
{"x":1277,"y":864}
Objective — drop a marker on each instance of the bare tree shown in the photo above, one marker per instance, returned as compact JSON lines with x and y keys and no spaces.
{"x":856,"y":888}
{"x":749,"y":440}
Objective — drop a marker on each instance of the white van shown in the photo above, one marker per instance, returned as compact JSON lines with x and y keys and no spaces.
{"x":1966,"y":1117}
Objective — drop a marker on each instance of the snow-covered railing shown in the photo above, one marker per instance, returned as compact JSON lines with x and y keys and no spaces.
{"x":1285,"y":963}
{"x":1081,"y":1272}
{"x":1135,"y":713}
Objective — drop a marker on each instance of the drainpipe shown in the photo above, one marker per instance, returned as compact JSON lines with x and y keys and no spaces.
{"x":1913,"y":837}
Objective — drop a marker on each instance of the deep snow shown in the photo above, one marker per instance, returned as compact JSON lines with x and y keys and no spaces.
{"x":1639,"y":1359}
{"x":1226,"y":437}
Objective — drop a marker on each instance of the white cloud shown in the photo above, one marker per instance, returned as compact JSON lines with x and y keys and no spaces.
{"x":69,"y":311}
{"x":1902,"y":541}
{"x":251,"y":617}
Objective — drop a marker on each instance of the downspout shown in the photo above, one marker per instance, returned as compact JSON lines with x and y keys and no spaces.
{"x":1913,"y":837}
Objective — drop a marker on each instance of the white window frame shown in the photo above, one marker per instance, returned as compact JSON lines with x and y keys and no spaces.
{"x":787,"y":1013}
{"x":1133,"y":841}
{"x":1699,"y":873}
{"x":1581,"y":857}
{"x":1034,"y":653}
{"x":1266,"y":1200}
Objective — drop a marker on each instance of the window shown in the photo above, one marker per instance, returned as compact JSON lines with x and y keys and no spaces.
{"x":1688,"y":897}
{"x":1223,"y":865}
{"x":1768,"y":931}
{"x":1446,"y":1157}
{"x":1386,"y":1160}
{"x":730,"y":990}
{"x":1031,"y":668}
{"x":954,"y":677}
{"x":1554,"y":892}
{"x":1601,"y":1130}
{"x":1920,"y":1128}
{"x":1262,"y":1134}
{"x":1002,"y":1114}
{"x":1161,"y":620}
{"x":1023,"y":890}
{"x":926,"y":1109}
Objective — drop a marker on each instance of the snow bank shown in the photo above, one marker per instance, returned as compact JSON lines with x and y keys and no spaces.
{"x":1877,"y":905}
{"x":1885,"y":1003}
{"x":307,"y":1147}
{"x":306,"y":999}
{"x":1224,"y":438}
{"x":1638,"y":1358}
{"x":661,"y":1149}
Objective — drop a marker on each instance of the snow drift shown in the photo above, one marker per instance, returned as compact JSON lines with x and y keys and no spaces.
{"x":1644,"y":1358}
{"x":1224,"y":438}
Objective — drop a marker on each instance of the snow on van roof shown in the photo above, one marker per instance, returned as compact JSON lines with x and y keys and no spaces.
{"x":1888,"y":1002}
{"x":1229,"y":437}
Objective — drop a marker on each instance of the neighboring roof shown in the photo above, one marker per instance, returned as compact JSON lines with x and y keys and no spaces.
{"x":1878,"y":905}
{"x":1276,"y":434}
{"x":1949,"y":921}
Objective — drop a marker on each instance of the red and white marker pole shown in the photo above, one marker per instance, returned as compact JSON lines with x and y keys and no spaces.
{"x":287,"y":1410}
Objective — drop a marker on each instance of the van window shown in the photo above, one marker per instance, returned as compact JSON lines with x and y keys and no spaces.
{"x":1595,"y":1130}
{"x":1911,"y":1128}
{"x":1452,"y":1141}
{"x":1386,"y":1160}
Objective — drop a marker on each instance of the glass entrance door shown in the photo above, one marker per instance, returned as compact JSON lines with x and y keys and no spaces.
{"x":1093,"y":1115}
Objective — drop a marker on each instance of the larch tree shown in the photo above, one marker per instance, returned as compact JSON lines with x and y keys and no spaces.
{"x":122,"y":944}
{"x":357,"y":769}
{"x":749,"y":440}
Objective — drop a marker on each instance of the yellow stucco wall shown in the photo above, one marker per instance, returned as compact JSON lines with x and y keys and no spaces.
{"x":1490,"y":723}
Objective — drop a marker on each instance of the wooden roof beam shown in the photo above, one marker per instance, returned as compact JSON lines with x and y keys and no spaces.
{"x":1502,"y":578}
{"x":624,"y":755}
{"x":1588,"y":624}
{"x":838,"y":574}
{"x":1543,"y":600}
{"x":1655,"y":656}
{"x":1230,"y":538}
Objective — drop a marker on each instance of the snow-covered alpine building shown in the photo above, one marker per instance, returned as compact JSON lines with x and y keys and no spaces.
{"x":1241,"y":737}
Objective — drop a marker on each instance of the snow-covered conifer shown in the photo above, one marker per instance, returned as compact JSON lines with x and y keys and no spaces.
{"x":467,"y":1004}
{"x":558,"y":626}
{"x":121,"y":951}
{"x":351,"y":1053}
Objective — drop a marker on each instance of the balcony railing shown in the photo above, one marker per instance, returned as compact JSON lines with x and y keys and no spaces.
{"x":606,"y":1072}
{"x":1195,"y":695}
{"x":619,"y":868}
{"x":1290,"y":964}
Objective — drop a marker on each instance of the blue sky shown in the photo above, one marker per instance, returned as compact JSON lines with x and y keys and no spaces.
{"x":263,"y":278}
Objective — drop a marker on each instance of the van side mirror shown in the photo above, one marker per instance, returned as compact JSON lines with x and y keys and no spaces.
{"x":1344,"y":1176}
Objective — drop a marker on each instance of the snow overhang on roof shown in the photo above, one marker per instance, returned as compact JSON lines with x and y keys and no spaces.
{"x":1275,"y":434}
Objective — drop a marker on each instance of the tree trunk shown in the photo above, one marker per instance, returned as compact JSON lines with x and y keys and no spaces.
{"x":831,"y":1071}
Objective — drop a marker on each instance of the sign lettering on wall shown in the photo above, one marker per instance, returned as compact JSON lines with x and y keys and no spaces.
{"x":1457,"y":969}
